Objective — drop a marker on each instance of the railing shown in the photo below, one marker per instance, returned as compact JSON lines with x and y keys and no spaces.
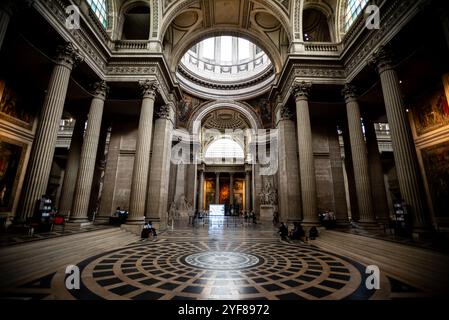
{"x":321,"y":47}
{"x":132,"y":45}
{"x":255,"y":64}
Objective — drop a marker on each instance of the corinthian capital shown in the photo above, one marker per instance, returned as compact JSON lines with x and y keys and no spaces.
{"x":349,"y":92}
{"x":382,"y":59}
{"x":100,"y":89}
{"x":149,"y":88}
{"x":164,"y":112}
{"x":285,"y":113}
{"x":301,"y":90}
{"x":69,"y":55}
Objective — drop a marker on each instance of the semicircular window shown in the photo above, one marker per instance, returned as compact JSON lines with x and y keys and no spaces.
{"x":224,"y":148}
{"x":100,"y":8}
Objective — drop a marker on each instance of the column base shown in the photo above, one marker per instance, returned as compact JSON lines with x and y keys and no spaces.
{"x":368,"y":225}
{"x":343,"y":223}
{"x":101,"y":220}
{"x":133,"y":228}
{"x":310,"y":224}
{"x":80,"y":223}
{"x":135,"y":221}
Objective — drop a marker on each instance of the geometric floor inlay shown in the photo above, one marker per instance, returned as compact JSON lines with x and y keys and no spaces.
{"x":168,"y":269}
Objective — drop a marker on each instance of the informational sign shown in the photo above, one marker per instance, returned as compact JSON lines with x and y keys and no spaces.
{"x":217,"y":210}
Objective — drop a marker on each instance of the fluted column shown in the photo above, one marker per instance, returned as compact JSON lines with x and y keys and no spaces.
{"x":359,"y":158}
{"x":341,"y":207}
{"x":289,"y":193}
{"x":306,"y":159}
{"x":71,"y":170}
{"x":352,"y":193}
{"x":5,"y":16}
{"x":402,"y":140}
{"x":41,"y":157}
{"x":247,"y":189}
{"x":217,"y":187}
{"x":86,"y":170}
{"x":201,"y":191}
{"x":142,"y":157}
{"x":231,"y":188}
{"x":159,"y":178}
{"x":377,"y":175}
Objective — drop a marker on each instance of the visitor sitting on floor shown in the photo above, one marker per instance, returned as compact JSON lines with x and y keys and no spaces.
{"x":313,"y":233}
{"x":148,"y":230}
{"x":298,"y":232}
{"x":283,"y":231}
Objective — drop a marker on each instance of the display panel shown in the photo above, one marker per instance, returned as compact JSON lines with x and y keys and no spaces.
{"x":217,"y":210}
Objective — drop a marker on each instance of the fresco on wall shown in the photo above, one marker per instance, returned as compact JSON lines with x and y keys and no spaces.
{"x":431,"y":112}
{"x":436,"y":164}
{"x":11,"y":161}
{"x":12,"y":108}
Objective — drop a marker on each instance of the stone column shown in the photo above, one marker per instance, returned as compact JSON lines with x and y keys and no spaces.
{"x":142,"y":157}
{"x":88,"y":156}
{"x":217,"y":187}
{"x":231,"y":188}
{"x":402,"y":140}
{"x":41,"y":157}
{"x":350,"y":174}
{"x":5,"y":16}
{"x":289,"y":193}
{"x":359,"y":158}
{"x":201,"y":191}
{"x":306,"y":159}
{"x":71,"y":171}
{"x":377,"y":175}
{"x":247,"y":189}
{"x":341,"y":208}
{"x":159,"y":178}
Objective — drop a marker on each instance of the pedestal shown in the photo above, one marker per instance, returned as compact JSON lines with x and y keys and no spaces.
{"x":267,"y":212}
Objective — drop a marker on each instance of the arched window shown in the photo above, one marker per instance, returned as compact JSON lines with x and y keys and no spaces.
{"x":353,"y":10}
{"x":224,"y":148}
{"x":100,"y":8}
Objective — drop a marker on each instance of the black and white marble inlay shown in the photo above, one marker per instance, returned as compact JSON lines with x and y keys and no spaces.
{"x":220,"y":260}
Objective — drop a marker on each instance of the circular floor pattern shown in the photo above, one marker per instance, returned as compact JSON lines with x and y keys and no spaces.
{"x":247,"y":270}
{"x":221,"y":260}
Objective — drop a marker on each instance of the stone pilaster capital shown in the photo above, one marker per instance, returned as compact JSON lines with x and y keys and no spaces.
{"x":301,"y":90}
{"x":149,"y":88}
{"x":285,"y":113}
{"x":164,"y":112}
{"x":69,"y":55}
{"x":100,"y":90}
{"x":349,"y":92}
{"x":382,"y":59}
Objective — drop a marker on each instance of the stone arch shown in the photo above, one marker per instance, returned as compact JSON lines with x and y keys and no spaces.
{"x":203,"y":110}
{"x":126,"y":6}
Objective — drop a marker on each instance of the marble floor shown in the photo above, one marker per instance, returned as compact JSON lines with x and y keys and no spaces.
{"x":203,"y":262}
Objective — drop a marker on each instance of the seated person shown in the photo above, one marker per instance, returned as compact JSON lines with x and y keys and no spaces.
{"x":313,"y":233}
{"x":283,"y":231}
{"x":298,"y":232}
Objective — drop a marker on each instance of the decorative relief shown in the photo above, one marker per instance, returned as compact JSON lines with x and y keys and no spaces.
{"x":149,"y":88}
{"x":69,"y":54}
{"x":391,"y":16}
{"x":349,"y":92}
{"x":155,"y":18}
{"x":286,"y":113}
{"x":100,"y":89}
{"x":269,"y":195}
{"x":302,"y":89}
{"x":164,"y":112}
